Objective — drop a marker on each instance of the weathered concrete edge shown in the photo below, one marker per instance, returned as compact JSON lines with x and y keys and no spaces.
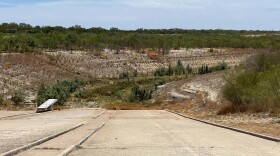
{"x":96,"y":116}
{"x":227,"y":127}
{"x":73,"y":147}
{"x":113,"y":114}
{"x":18,"y":115}
{"x":38,"y":142}
{"x":13,"y":117}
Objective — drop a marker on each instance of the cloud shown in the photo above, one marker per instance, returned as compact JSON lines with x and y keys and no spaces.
{"x":133,"y":14}
{"x":167,"y":4}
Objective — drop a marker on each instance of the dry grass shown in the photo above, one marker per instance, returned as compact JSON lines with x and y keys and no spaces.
{"x":231,"y":109}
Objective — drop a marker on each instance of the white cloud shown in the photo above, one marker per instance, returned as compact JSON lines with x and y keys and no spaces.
{"x":168,"y":4}
{"x":132,"y":14}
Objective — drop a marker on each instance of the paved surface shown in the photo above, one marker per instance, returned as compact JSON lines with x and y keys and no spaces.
{"x":21,"y":131}
{"x":129,"y":133}
{"x":59,"y":144}
{"x":160,"y":133}
{"x":4,"y":114}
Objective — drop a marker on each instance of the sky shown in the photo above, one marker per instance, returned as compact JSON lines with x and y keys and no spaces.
{"x":149,"y":14}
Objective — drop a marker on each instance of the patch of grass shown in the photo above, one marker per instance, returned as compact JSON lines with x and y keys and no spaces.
{"x":231,"y":109}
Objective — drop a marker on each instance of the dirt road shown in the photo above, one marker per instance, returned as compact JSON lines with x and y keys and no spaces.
{"x":129,"y":133}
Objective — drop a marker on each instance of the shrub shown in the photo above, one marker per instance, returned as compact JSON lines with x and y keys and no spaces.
{"x":18,"y":98}
{"x":60,"y":91}
{"x":170,"y":71}
{"x":124,"y":75}
{"x":205,"y":69}
{"x":1,"y":99}
{"x":189,"y":69}
{"x":138,"y":94}
{"x":159,"y":82}
{"x":221,"y":66}
{"x":258,"y":88}
{"x":160,"y":72}
{"x":179,"y":68}
{"x":240,"y":87}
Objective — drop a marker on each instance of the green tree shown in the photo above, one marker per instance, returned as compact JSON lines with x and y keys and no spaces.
{"x":179,"y":69}
{"x":189,"y":69}
{"x":70,"y":41}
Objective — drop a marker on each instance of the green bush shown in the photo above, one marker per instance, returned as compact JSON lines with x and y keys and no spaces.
{"x":60,"y":91}
{"x":159,"y":82}
{"x":160,"y":72}
{"x":240,"y":87}
{"x":138,"y":94}
{"x":189,"y":69}
{"x":179,"y":68}
{"x":220,"y":66}
{"x":1,"y":99}
{"x":18,"y":98}
{"x":205,"y":69}
{"x":124,"y":75}
{"x":255,"y":85}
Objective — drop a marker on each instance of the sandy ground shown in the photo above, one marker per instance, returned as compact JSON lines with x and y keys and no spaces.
{"x":153,"y":133}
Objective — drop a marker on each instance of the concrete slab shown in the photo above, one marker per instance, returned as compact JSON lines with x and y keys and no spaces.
{"x":19,"y":132}
{"x":13,"y":113}
{"x":46,"y":106}
{"x":144,"y":133}
{"x":59,"y":144}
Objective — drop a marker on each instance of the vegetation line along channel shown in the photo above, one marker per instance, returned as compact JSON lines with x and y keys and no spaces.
{"x":73,"y":147}
{"x":38,"y":142}
{"x":229,"y":128}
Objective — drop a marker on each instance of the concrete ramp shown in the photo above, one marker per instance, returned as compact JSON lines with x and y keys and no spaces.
{"x":176,"y":95}
{"x":46,"y":106}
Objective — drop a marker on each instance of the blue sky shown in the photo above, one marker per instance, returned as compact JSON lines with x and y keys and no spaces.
{"x":133,"y":14}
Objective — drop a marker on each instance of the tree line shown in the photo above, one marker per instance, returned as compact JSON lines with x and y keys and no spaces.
{"x":180,"y":69}
{"x":26,"y":38}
